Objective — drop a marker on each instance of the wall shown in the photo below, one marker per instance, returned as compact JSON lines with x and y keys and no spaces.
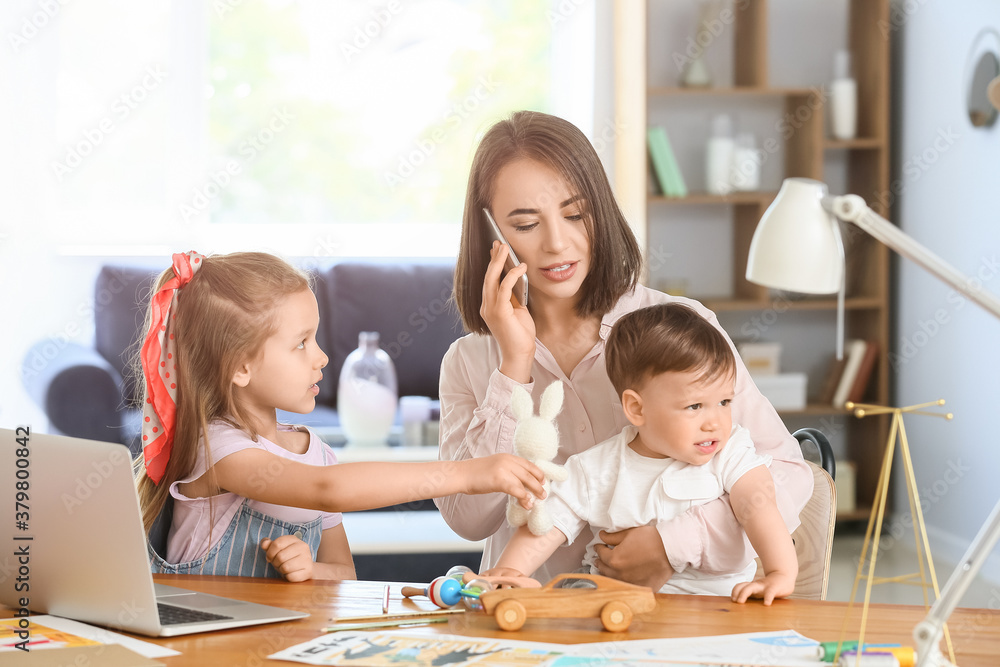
{"x":946,"y":175}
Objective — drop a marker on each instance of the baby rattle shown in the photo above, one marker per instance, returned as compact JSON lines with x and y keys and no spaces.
{"x":450,"y":589}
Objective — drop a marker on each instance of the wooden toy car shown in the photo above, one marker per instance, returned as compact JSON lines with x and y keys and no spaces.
{"x":615,"y":602}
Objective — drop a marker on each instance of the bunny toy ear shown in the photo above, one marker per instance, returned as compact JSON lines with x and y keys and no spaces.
{"x":521,"y":404}
{"x":552,"y":400}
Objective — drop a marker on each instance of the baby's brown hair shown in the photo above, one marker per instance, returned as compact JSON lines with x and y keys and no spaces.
{"x":667,"y":337}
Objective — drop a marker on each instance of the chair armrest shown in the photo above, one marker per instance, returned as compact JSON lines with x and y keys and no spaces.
{"x":80,"y":392}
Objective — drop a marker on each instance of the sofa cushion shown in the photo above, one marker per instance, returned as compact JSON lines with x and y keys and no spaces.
{"x":121,"y":295}
{"x":328,"y":385}
{"x":407,"y":303}
{"x":78,"y":388}
{"x":121,"y":298}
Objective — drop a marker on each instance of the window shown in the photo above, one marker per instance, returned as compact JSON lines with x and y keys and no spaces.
{"x":314,"y":128}
{"x":364,"y":112}
{"x":304,"y":127}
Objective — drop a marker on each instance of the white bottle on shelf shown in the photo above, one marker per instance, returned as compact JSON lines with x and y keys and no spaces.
{"x":746,"y":165}
{"x":843,"y":98}
{"x":696,"y":74}
{"x":719,"y":156}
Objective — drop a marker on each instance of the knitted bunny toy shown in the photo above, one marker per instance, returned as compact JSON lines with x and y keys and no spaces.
{"x":536,"y":439}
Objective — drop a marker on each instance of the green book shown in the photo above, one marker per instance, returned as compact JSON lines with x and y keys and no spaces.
{"x":665,"y":166}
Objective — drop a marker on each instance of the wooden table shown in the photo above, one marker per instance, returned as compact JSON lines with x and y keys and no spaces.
{"x":975,"y":632}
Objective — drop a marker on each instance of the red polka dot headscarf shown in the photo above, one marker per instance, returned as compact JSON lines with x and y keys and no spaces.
{"x":158,"y":368}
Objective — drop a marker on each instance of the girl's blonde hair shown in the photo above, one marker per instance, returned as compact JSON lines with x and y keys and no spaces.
{"x":615,"y":258}
{"x":221,"y":320}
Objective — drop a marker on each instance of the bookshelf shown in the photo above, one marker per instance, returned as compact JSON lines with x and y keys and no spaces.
{"x":689,"y":229}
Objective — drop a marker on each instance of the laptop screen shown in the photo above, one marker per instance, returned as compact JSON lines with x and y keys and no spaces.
{"x":80,"y":547}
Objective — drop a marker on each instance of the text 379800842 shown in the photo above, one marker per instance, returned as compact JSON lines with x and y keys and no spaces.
{"x":22,"y":536}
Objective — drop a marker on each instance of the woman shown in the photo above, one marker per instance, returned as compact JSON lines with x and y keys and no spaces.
{"x":545,"y":186}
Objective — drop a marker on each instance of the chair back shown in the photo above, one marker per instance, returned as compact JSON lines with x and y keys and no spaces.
{"x":814,"y":537}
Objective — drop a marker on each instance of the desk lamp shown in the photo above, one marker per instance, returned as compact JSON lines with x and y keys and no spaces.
{"x":797,"y":246}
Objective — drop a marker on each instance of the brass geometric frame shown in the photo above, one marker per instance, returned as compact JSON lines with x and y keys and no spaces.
{"x":878,"y":512}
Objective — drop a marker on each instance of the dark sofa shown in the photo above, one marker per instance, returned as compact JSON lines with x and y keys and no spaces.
{"x":90,"y":392}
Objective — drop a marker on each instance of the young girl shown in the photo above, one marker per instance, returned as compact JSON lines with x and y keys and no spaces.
{"x":232,"y":338}
{"x":545,"y":186}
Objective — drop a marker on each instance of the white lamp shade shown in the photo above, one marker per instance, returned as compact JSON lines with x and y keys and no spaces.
{"x":797,"y":245}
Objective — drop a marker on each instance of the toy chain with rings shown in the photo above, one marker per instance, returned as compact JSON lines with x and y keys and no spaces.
{"x":452,"y":588}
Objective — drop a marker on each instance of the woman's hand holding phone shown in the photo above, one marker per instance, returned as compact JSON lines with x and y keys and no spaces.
{"x":509,"y":322}
{"x":520,"y":288}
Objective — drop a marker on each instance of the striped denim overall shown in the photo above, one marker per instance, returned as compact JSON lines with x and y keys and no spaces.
{"x":238,"y":553}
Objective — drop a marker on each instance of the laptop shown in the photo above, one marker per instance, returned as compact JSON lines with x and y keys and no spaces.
{"x":74,"y":546}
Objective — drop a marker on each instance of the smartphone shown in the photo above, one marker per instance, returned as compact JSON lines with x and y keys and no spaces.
{"x":521,"y":286}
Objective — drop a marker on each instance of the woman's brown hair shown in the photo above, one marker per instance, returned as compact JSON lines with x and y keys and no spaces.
{"x":615,"y":257}
{"x":221,"y":320}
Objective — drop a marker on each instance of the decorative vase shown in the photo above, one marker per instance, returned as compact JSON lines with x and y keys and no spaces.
{"x":696,"y":74}
{"x":367,"y":393}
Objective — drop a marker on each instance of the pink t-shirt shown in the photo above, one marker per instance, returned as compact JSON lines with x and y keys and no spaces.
{"x":193,"y":517}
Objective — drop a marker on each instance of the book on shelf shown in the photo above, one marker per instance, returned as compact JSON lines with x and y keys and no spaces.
{"x":665,"y":166}
{"x":854,"y":352}
{"x":865,"y":370}
{"x":832,"y":379}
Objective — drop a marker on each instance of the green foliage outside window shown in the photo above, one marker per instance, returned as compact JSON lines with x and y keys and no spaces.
{"x":345,"y":112}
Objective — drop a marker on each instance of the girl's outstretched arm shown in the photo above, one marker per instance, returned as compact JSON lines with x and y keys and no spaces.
{"x":348,"y":487}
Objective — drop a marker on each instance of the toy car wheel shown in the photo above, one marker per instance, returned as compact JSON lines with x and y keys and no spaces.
{"x":510,"y":615}
{"x":616,"y":616}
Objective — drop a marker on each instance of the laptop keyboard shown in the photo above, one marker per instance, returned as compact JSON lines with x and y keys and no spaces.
{"x":173,"y":615}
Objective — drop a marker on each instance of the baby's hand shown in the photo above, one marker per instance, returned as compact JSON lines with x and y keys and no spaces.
{"x":290,"y":556}
{"x":505,"y":473}
{"x":774,"y":585}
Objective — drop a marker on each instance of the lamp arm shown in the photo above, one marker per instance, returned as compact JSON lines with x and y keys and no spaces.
{"x":927,"y":633}
{"x":852,"y":208}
